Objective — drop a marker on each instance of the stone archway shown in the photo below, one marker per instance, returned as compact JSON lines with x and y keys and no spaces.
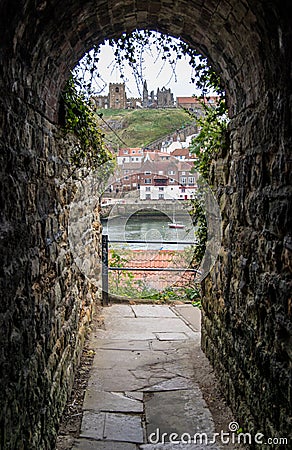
{"x":246,"y":328}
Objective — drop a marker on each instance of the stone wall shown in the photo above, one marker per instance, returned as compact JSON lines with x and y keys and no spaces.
{"x":246,"y":329}
{"x":46,"y":302}
{"x":180,"y":135}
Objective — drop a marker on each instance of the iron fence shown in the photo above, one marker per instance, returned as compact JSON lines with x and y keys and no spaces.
{"x":106,"y":267}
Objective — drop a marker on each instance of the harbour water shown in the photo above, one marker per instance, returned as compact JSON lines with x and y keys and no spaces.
{"x":148,"y":228}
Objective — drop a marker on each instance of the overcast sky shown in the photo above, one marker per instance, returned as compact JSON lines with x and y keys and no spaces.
{"x":157,"y":73}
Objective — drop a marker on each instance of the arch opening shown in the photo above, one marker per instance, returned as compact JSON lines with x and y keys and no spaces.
{"x":249,"y":43}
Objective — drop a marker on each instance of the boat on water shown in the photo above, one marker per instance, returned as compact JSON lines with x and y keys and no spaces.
{"x":175,"y":225}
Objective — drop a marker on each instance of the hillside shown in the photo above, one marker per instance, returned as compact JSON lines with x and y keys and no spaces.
{"x":139,"y":127}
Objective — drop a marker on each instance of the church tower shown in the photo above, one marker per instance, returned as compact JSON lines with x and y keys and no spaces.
{"x":117,"y":96}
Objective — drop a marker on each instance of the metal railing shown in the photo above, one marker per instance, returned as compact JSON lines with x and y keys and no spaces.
{"x":106,"y":267}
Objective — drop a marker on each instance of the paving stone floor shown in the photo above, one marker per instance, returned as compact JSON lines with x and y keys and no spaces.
{"x":140,"y":393}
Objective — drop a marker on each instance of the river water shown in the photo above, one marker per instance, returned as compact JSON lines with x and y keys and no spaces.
{"x":147,"y":228}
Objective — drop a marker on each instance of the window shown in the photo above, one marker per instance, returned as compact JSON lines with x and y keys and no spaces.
{"x":133,"y":151}
{"x":183,"y":180}
{"x":160,"y":172}
{"x":137,"y":159}
{"x":161,"y":188}
{"x":148,"y":188}
{"x":191,"y":180}
{"x":171,"y":180}
{"x":126,"y":152}
{"x":183,"y":173}
{"x":148,"y":196}
{"x":183,"y":190}
{"x":171,"y":172}
{"x":139,"y":151}
{"x":148,"y":172}
{"x":161,"y":196}
{"x":148,"y":180}
{"x":117,"y":89}
{"x":126,"y":177}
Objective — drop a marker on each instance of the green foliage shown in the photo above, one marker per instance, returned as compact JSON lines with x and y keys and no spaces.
{"x":119,"y":280}
{"x":197,"y":303}
{"x":116,"y":260}
{"x":190,"y":293}
{"x":199,"y":218}
{"x":141,"y":288}
{"x":212,"y":137}
{"x":89,"y":150}
{"x":124,"y":283}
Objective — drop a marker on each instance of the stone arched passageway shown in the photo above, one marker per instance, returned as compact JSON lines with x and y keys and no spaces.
{"x":45,"y":301}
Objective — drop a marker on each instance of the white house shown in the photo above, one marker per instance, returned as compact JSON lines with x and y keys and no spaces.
{"x":130,"y":155}
{"x":170,"y":192}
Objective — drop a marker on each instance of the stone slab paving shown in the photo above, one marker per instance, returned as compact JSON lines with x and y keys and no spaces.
{"x":144,"y":328}
{"x":85,"y":444}
{"x":153,"y":311}
{"x":113,"y":401}
{"x":120,"y":311}
{"x":187,"y":404}
{"x":141,"y":381}
{"x":171,"y":336}
{"x":192,"y":316}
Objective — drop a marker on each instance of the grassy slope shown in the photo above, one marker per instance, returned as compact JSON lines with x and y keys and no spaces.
{"x":142,"y":126}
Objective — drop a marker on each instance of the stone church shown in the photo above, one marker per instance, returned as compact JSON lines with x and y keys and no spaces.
{"x":116,"y":98}
{"x":163,"y":99}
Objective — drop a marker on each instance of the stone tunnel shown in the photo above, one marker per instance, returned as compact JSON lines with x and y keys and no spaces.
{"x":46,"y":302}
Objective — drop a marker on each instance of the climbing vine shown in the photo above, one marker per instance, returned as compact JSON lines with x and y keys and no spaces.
{"x":89,"y":150}
{"x":212,"y":137}
{"x":201,"y":232}
{"x":131,"y":49}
